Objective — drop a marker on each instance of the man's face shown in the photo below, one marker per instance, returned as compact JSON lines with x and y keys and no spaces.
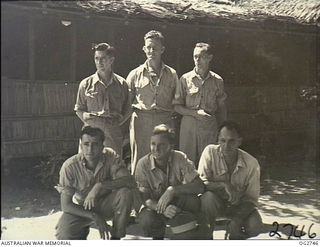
{"x":201,"y":58}
{"x":92,"y":147}
{"x":229,"y":141}
{"x":160,"y":147}
{"x":153,"y":49}
{"x":103,"y":61}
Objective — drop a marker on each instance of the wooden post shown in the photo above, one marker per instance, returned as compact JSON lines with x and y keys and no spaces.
{"x":111,"y":37}
{"x":31,"y":50}
{"x":73,"y":62}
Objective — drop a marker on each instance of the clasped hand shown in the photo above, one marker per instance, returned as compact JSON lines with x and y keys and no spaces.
{"x":164,"y":200}
{"x":201,"y":114}
{"x":89,"y":202}
{"x":234,"y":196}
{"x":171,"y":211}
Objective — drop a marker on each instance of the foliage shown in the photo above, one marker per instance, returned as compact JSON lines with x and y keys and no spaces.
{"x":48,"y":169}
{"x":310,"y":94}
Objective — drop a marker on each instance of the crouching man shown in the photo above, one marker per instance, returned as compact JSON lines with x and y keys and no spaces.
{"x":95,"y":186}
{"x":168,"y":183}
{"x":232,"y":183}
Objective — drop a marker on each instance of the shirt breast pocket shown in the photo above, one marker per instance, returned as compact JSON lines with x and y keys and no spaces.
{"x":192,"y":89}
{"x":157,"y":187}
{"x":94,"y":100}
{"x":142,"y":82}
{"x":192,"y":97}
{"x":211,"y":98}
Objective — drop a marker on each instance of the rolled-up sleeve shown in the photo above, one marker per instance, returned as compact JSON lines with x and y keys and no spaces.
{"x":204,"y":168}
{"x":221,"y":95}
{"x":131,"y":85}
{"x":141,"y":179}
{"x":180,"y":93}
{"x":126,"y":103}
{"x":66,"y":181}
{"x":118,"y":169}
{"x":188,"y":170}
{"x":81,"y":104}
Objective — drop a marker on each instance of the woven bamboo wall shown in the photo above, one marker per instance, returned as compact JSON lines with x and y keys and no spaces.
{"x":38,"y":118}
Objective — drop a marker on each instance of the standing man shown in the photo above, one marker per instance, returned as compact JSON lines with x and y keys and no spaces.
{"x":168,"y":183}
{"x":232,"y":184}
{"x":152,"y":86}
{"x":94,"y":186}
{"x":200,"y":99}
{"x":102,"y":99}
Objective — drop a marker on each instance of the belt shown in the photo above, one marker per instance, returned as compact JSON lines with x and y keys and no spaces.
{"x":153,"y":111}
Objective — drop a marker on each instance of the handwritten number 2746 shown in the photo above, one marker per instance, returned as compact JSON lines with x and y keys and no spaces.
{"x":293,"y":230}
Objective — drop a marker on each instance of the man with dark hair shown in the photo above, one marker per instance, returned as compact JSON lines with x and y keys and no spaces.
{"x":232,"y":184}
{"x":200,"y":99}
{"x":152,"y":86}
{"x":168,"y":183}
{"x":94,"y":185}
{"x":102,"y":99}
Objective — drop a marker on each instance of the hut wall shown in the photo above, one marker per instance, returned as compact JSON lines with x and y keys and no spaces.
{"x":37,"y":118}
{"x":264,"y":68}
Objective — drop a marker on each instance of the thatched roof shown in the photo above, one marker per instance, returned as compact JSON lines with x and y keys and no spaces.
{"x":301,"y":11}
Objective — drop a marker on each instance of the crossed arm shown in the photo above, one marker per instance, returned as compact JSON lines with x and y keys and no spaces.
{"x":163,"y":206}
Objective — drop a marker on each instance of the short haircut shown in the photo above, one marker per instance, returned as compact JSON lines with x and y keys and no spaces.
{"x":230,"y":125}
{"x":153,"y":34}
{"x":207,"y":47}
{"x":91,"y":131}
{"x":110,"y":50}
{"x":164,"y":129}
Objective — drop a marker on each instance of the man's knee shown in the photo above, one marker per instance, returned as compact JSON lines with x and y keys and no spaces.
{"x":254,"y":225}
{"x":209,"y":200}
{"x":189,"y":203}
{"x":124,"y":198}
{"x":72,"y":227}
{"x":151,"y":223}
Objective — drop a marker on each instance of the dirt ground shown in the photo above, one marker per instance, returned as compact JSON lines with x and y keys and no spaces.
{"x":289,"y":195}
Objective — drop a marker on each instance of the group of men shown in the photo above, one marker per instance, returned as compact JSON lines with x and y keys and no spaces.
{"x":202,"y":178}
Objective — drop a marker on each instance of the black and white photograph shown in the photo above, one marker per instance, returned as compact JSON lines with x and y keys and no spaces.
{"x":160,"y":120}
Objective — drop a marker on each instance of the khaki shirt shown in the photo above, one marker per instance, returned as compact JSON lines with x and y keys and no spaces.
{"x":106,"y":99}
{"x":153,"y":181}
{"x":195,"y":93}
{"x":77,"y":180}
{"x":245,"y":177}
{"x":147,"y":92}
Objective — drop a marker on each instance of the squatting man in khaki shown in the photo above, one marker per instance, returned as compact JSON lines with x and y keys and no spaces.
{"x":168,"y":183}
{"x":232,"y":184}
{"x":95,"y":186}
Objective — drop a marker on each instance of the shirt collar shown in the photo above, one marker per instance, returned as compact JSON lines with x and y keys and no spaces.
{"x":149,"y":69}
{"x":96,"y":79}
{"x":83,"y":162}
{"x":195,"y":74}
{"x":223,"y":166}
{"x":153,"y":163}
